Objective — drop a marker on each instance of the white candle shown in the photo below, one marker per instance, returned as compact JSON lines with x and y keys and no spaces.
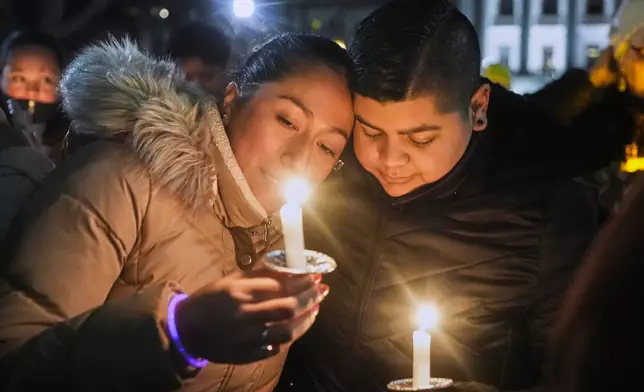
{"x":296,"y":192}
{"x":291,"y":215}
{"x":422,"y":346}
{"x":427,"y":318}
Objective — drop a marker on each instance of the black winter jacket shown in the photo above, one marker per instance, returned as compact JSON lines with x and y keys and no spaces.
{"x":493,"y":244}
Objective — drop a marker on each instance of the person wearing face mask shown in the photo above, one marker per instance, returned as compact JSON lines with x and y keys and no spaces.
{"x":456,"y":192}
{"x":133,"y":266}
{"x":612,"y":88}
{"x":30,"y":66}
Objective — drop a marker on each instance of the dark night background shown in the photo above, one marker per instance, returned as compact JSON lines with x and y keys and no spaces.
{"x":76,"y":22}
{"x":536,"y":46}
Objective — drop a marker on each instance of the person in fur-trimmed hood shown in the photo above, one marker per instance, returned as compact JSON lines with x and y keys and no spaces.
{"x":132,"y":266}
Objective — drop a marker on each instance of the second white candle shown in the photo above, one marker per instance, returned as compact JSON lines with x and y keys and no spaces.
{"x":427,"y":318}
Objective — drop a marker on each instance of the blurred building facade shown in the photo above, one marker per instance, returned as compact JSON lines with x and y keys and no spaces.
{"x":538,"y":44}
{"x":552,"y":36}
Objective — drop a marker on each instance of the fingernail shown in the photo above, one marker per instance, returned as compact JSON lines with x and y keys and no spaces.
{"x":324,"y":291}
{"x":316,"y":310}
{"x":317,"y":278}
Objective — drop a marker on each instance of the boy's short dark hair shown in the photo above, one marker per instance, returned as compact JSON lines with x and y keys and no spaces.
{"x":208,"y":43}
{"x":411,"y":48}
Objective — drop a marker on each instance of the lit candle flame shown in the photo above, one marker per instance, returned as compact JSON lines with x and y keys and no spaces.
{"x":296,"y":191}
{"x":428,"y":317}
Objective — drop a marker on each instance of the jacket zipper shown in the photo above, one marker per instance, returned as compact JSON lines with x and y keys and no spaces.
{"x":372,"y":271}
{"x":268,"y":222}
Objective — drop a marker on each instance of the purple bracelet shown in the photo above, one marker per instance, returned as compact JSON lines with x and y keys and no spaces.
{"x":174,"y":334}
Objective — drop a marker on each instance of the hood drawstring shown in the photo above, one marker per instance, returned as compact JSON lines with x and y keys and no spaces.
{"x":268,"y":222}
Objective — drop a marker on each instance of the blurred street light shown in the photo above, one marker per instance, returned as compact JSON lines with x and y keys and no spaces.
{"x":243,"y":8}
{"x":164,"y":13}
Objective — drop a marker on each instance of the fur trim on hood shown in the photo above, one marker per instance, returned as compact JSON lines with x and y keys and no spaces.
{"x":112,"y":89}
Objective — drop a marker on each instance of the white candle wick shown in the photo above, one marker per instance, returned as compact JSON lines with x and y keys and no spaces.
{"x":296,"y":191}
{"x":427,"y":316}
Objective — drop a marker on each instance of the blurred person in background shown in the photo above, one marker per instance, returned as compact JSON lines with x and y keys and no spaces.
{"x":174,"y":203}
{"x":202,"y":51}
{"x":612,"y":88}
{"x":31,"y":63}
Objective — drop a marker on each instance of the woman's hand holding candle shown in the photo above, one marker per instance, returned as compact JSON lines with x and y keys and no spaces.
{"x":246,"y":316}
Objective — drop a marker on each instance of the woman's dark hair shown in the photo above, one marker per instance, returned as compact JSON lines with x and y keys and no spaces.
{"x":289,"y":54}
{"x":21,"y":38}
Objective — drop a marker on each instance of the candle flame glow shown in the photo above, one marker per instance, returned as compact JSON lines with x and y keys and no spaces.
{"x":428,"y":317}
{"x":296,"y":191}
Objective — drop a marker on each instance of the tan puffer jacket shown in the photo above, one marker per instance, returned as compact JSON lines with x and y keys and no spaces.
{"x":158,"y":205}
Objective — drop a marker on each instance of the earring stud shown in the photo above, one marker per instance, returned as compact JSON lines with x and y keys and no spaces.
{"x":338,"y":165}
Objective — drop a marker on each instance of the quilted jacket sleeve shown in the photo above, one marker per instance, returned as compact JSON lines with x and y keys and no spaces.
{"x":56,"y":329}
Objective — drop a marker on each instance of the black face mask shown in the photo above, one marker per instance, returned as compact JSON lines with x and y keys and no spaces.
{"x":30,"y":111}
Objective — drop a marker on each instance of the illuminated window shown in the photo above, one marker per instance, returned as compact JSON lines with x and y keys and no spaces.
{"x":549,"y":7}
{"x":548,"y":63}
{"x":594,"y":7}
{"x":504,"y":55}
{"x":592,"y":53}
{"x":506,"y":7}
